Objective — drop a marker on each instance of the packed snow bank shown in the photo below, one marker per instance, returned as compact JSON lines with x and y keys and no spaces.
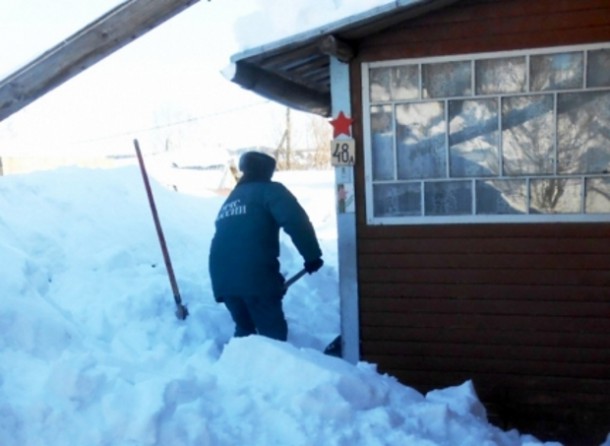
{"x":91,"y":352}
{"x":312,"y":399}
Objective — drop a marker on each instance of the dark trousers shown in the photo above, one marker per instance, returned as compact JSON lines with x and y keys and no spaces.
{"x":258,"y":315}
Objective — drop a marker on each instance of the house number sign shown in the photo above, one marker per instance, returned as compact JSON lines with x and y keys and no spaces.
{"x":343,"y":152}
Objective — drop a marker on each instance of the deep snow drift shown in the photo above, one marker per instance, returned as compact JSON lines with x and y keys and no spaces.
{"x":91,"y":352}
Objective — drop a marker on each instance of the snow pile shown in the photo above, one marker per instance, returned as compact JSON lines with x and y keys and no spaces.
{"x":273,"y":21}
{"x":91,"y":352}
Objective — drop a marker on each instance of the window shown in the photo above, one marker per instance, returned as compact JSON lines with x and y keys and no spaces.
{"x":503,"y":137}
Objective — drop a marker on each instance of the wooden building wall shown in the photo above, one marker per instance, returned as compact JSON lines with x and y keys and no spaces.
{"x":523,"y":310}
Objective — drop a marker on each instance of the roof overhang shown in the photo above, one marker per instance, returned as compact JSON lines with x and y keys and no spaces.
{"x":296,"y":71}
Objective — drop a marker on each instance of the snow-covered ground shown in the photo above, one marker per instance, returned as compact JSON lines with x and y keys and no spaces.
{"x":91,"y":352}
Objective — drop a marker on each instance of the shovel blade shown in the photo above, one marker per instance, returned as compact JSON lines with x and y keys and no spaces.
{"x":181,"y":312}
{"x":335,"y":348}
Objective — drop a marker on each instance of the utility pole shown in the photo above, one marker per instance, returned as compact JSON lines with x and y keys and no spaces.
{"x":284,"y":149}
{"x":288,"y":142}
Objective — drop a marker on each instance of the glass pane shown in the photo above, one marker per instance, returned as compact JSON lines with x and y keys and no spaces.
{"x":555,"y":196}
{"x":598,"y":68}
{"x":444,"y":80}
{"x":527,"y":134}
{"x":598,"y":195}
{"x":394,"y":83}
{"x":583,"y":132}
{"x":504,"y":75}
{"x":556,"y":71}
{"x":501,"y":197}
{"x":420,"y":130}
{"x":393,"y":200}
{"x":448,"y":198}
{"x":382,"y":146}
{"x":473,"y":138}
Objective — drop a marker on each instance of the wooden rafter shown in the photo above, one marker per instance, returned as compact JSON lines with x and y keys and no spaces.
{"x":120,"y":26}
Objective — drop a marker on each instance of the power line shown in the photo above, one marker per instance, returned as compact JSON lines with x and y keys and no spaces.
{"x":169,"y":124}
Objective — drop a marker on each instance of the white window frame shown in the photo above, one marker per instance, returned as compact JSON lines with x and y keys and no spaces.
{"x":471,"y":218}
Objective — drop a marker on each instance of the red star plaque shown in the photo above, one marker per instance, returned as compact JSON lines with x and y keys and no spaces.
{"x":341,"y":125}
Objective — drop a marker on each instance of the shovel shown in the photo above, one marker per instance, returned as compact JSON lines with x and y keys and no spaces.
{"x":336,"y":346}
{"x":294,"y":278}
{"x":181,"y":310}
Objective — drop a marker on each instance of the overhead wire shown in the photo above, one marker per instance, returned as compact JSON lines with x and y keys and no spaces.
{"x":168,"y":124}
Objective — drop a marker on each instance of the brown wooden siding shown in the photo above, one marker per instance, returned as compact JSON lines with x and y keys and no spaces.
{"x":522,"y":310}
{"x":493,"y":25}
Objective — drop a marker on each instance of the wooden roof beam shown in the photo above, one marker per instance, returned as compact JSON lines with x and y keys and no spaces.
{"x":115,"y":29}
{"x":332,"y":46}
{"x":282,"y":90}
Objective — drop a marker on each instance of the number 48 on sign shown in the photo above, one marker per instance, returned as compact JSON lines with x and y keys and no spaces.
{"x":343,"y":152}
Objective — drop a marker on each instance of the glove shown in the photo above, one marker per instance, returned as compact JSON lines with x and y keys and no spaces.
{"x":312,"y":266}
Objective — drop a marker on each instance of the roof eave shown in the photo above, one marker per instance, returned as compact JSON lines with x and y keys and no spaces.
{"x":281,"y":90}
{"x":252,"y":75}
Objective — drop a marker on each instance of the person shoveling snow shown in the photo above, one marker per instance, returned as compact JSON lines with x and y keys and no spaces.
{"x":244,"y":265}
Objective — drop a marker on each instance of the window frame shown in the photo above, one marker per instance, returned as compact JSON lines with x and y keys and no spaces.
{"x":473,"y":218}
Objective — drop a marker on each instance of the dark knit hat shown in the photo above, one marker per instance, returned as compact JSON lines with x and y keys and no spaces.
{"x":257,"y":165}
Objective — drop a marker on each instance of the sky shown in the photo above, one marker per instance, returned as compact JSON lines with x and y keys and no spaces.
{"x":91,"y":351}
{"x":169,"y":75}
{"x":165,"y":86}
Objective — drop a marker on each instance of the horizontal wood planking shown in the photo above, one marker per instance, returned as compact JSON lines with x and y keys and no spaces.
{"x":548,"y":293}
{"x":498,"y":365}
{"x":483,"y":261}
{"x":477,"y":336}
{"x":508,"y":262}
{"x":553,"y":231}
{"x":479,"y":350}
{"x":417,"y":306}
{"x":475,"y":10}
{"x":558,"y":21}
{"x":513,"y":323}
{"x":524,"y":276}
{"x":471,"y":27}
{"x":505,"y":243}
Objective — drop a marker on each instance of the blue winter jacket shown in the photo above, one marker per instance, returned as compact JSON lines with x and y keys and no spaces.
{"x":245,"y":248}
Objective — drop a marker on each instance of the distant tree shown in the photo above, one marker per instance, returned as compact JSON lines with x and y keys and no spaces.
{"x":283,"y":152}
{"x":320,"y":132}
{"x":304,"y":142}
